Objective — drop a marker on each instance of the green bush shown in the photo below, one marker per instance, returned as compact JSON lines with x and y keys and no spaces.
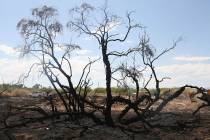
{"x":100,"y":90}
{"x":82,"y":90}
{"x":115,"y":90}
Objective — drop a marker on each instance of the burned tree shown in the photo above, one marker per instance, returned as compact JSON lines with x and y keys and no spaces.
{"x":132,"y":72}
{"x":102,"y":31}
{"x":40,"y":34}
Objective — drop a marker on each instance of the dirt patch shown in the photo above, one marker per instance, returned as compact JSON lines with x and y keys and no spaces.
{"x":174,"y":123}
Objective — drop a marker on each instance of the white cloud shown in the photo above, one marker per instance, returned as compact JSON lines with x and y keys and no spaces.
{"x":196,"y":74}
{"x":110,"y":26}
{"x":129,"y":42}
{"x":83,"y":52}
{"x":12,"y":69}
{"x":97,"y":69}
{"x":181,"y":74}
{"x":192,"y":58}
{"x":78,"y":52}
{"x":88,"y":38}
{"x":7,"y":50}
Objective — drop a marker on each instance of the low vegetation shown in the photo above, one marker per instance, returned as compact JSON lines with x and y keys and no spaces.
{"x":20,"y":90}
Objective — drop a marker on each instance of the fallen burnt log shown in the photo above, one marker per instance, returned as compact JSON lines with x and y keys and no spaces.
{"x":205,"y":97}
{"x":152,"y":108}
{"x":41,"y":115}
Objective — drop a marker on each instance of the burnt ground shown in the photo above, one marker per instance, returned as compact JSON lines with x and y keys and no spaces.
{"x":175,"y":122}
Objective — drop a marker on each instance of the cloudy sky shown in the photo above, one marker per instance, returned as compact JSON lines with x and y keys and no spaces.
{"x":165,"y":21}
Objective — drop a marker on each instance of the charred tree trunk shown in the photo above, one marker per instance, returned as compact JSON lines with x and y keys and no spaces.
{"x":107,"y":111}
{"x":137,"y":88}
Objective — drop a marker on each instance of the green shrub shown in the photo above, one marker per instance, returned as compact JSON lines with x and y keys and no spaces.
{"x":100,"y":90}
{"x":82,"y":90}
{"x":115,"y":90}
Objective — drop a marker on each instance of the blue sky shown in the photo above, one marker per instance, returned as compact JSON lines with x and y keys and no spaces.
{"x":166,"y":20}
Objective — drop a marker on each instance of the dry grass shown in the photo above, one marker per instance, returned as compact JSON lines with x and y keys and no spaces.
{"x":19,"y":92}
{"x":208,"y":92}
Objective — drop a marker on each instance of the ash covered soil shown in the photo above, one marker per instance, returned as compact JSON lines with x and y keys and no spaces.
{"x":175,"y":122}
